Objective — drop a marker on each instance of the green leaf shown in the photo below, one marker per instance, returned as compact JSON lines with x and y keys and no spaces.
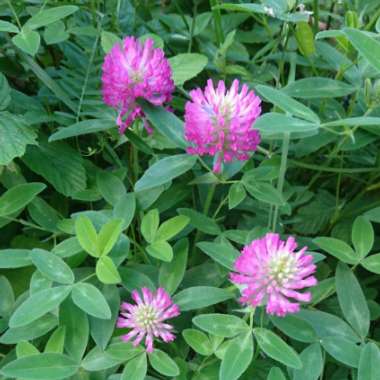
{"x":110,"y":186}
{"x":362,"y":121}
{"x":312,"y":361}
{"x":198,"y":341}
{"x":186,"y":66}
{"x":200,"y":221}
{"x":31,"y":331}
{"x":41,"y":367}
{"x":287,"y":104}
{"x":264,"y":192}
{"x":237,"y":357}
{"x":28,"y":41}
{"x":16,"y":198}
{"x":38,"y":304}
{"x":149,"y":225}
{"x":295,"y":327}
{"x":172,"y":227}
{"x":125,"y":209}
{"x":367,"y":46}
{"x":52,"y":266}
{"x":76,"y":326}
{"x":342,"y":350}
{"x":223,"y":254}
{"x":39,"y":282}
{"x":134,"y":279}
{"x":98,"y":360}
{"x":15,"y":258}
{"x":371,"y":263}
{"x":305,"y":38}
{"x":55,"y":33}
{"x":48,"y":16}
{"x":322,"y":290}
{"x":352,"y":300}
{"x":67,"y":247}
{"x":6,"y":26}
{"x":106,"y":271}
{"x":276,"y":348}
{"x":236,"y":195}
{"x":338,"y":248}
{"x":137,"y":141}
{"x":135,"y":369}
{"x":51,"y":84}
{"x":167,"y":123}
{"x":44,"y":215}
{"x":87,"y":236}
{"x":165,"y":170}
{"x":56,"y":342}
{"x":276,"y":374}
{"x":102,"y":329}
{"x":123,"y":351}
{"x":318,"y":87}
{"x":362,"y":236}
{"x":109,"y":235}
{"x":108,"y":40}
{"x":25,"y":349}
{"x":82,"y":128}
{"x":158,"y":42}
{"x":200,"y":296}
{"x":222,"y":325}
{"x":163,"y":364}
{"x":59,"y":164}
{"x":91,"y":300}
{"x":369,"y":362}
{"x":5,"y":98}
{"x":327,"y":325}
{"x":160,"y":250}
{"x":171,"y":273}
{"x":7,"y":297}
{"x":272,"y":123}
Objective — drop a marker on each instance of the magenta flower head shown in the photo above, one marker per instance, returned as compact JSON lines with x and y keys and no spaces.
{"x":219,"y":122}
{"x":270,"y":272}
{"x":147,"y":318}
{"x":133,"y":70}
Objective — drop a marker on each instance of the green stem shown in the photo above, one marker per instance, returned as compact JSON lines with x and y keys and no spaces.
{"x":217,"y":22}
{"x":192,"y":28}
{"x":206,"y":208}
{"x":251,"y":314}
{"x":316,"y":16}
{"x":281,"y":179}
{"x":88,"y":70}
{"x":210,"y":195}
{"x":14,"y":14}
{"x":25,"y":223}
{"x":135,"y":163}
{"x":87,"y":277}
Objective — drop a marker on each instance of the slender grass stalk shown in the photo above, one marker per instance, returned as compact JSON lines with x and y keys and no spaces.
{"x":217,"y":22}
{"x":316,"y":16}
{"x":14,"y":14}
{"x":281,"y":179}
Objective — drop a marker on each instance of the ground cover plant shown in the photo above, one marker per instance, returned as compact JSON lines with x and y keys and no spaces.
{"x":189,"y":190}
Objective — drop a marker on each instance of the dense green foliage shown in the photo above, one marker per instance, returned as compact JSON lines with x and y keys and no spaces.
{"x":87,"y":215}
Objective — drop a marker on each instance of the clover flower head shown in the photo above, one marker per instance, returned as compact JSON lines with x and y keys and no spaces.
{"x":146,"y":318}
{"x":270,"y":272}
{"x":133,"y":70}
{"x":219,"y":122}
